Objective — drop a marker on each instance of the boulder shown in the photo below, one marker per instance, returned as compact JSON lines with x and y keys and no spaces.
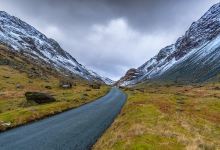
{"x":88,"y":90}
{"x":4,"y":61}
{"x":66,"y":84}
{"x":19,"y":86}
{"x":140,"y":90}
{"x":216,"y":88}
{"x":48,"y":87}
{"x":95,"y":86}
{"x":39,"y":98}
{"x":6,"y":77}
{"x":85,"y":95}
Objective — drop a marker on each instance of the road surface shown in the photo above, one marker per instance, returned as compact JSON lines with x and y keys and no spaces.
{"x":77,"y":129}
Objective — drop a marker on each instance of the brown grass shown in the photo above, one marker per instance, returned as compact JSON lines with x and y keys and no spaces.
{"x":15,"y":110}
{"x":167,"y":117}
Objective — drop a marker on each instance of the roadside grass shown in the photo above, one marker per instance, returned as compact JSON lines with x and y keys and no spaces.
{"x":15,"y":110}
{"x":167,"y":117}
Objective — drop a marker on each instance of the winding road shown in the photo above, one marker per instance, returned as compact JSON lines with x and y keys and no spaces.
{"x":77,"y":129}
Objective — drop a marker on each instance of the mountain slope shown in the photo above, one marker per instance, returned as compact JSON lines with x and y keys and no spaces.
{"x":195,"y":57}
{"x":25,"y":39}
{"x":20,"y":74}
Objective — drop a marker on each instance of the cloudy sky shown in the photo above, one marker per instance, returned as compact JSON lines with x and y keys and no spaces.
{"x":110,"y":36}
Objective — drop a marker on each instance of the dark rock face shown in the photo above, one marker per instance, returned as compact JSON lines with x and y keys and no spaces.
{"x":165,"y":52}
{"x":129,"y":76}
{"x":39,"y":98}
{"x":195,"y":57}
{"x":205,"y":29}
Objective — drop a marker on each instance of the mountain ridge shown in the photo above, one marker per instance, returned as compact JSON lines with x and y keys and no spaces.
{"x":24,"y":38}
{"x":168,"y":64}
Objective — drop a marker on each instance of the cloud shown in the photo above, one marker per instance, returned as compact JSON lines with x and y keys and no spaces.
{"x":110,"y":36}
{"x":53,"y":31}
{"x":114,"y":47}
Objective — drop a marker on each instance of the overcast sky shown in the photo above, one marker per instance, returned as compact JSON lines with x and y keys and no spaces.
{"x":110,"y":36}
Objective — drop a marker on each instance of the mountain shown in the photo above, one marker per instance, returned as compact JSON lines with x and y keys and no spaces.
{"x":104,"y":79}
{"x":195,"y":57}
{"x":24,"y":39}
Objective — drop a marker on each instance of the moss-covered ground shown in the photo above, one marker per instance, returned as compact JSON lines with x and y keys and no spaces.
{"x":167,"y":117}
{"x":15,"y":110}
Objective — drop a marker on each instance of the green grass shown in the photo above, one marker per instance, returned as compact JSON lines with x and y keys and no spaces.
{"x":16,"y":110}
{"x":166,"y":117}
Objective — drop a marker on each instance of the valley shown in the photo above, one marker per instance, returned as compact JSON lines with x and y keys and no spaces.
{"x":50,"y":101}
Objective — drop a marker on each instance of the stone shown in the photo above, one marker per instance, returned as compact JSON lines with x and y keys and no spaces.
{"x":19,"y":86}
{"x":6,"y":77}
{"x":39,"y":98}
{"x":66,"y":84}
{"x":48,"y":87}
{"x":95,"y":86}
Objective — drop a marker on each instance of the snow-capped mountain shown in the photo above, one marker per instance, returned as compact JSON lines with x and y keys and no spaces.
{"x":195,"y":57}
{"x":23,"y":38}
{"x":104,"y":79}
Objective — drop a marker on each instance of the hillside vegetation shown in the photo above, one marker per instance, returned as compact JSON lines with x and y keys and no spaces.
{"x":18,"y":77}
{"x":167,"y":117}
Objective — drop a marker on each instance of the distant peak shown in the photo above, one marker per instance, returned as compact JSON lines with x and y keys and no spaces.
{"x":3,"y":13}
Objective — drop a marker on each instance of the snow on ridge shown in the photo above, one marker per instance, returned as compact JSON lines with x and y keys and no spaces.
{"x":20,"y":36}
{"x":203,"y":36}
{"x":204,"y":50}
{"x":104,"y":79}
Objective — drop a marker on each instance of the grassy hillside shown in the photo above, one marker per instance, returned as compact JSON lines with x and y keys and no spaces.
{"x":17,"y":77}
{"x":166,"y":117}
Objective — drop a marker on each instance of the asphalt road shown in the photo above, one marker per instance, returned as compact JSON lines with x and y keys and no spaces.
{"x":77,"y":129}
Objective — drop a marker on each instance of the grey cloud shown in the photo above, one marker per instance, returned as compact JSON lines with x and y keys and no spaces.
{"x":151,"y":24}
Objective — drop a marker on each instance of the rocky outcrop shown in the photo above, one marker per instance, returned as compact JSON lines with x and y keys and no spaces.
{"x":200,"y":32}
{"x":195,"y":57}
{"x":129,"y":76}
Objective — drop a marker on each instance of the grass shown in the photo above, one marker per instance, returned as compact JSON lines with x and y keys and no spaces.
{"x":167,"y":117}
{"x":15,"y":110}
